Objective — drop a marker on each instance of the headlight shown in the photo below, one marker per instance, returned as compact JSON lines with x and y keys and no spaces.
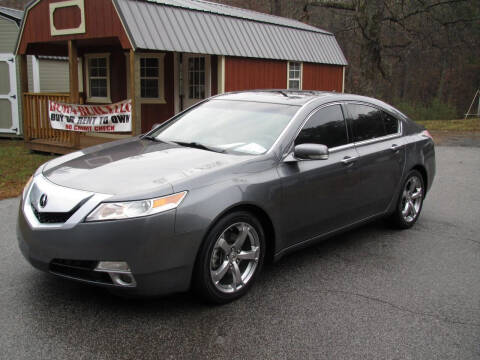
{"x":134,"y":209}
{"x":27,"y":186}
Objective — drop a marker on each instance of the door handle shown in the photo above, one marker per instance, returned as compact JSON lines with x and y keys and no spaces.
{"x":396,"y":147}
{"x":349,"y":160}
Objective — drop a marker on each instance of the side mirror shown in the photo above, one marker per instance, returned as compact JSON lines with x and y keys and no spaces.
{"x":154,"y":126}
{"x":311,"y":152}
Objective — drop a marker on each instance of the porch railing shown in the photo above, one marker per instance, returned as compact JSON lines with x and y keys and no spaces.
{"x":36,"y":124}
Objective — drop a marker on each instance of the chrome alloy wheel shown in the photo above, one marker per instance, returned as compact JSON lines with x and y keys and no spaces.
{"x":412,"y":198}
{"x":235,"y":257}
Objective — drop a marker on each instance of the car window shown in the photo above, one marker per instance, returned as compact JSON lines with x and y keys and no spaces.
{"x":242,"y":127}
{"x":326,"y":126}
{"x":391,"y":124}
{"x":369,"y":122}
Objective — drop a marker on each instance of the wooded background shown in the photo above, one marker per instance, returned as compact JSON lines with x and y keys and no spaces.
{"x":422,"y":56}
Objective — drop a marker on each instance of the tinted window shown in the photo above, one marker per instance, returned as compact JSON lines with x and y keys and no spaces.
{"x":370,"y":122}
{"x":391,"y":124}
{"x":326,"y":126}
{"x":367,"y":122}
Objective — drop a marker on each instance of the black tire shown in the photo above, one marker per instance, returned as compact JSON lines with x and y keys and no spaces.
{"x":398,"y":218}
{"x":203,"y":284}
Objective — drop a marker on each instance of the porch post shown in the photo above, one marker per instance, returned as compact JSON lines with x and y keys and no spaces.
{"x":132,"y":89}
{"x":221,"y":74}
{"x":73,"y":72}
{"x":24,"y":89}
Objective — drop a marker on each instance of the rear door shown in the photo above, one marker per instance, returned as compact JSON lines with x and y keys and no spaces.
{"x":319,"y":195}
{"x":379,"y":143}
{"x":8,"y":95}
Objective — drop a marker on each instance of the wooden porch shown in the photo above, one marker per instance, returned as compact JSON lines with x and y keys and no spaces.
{"x":39,"y":135}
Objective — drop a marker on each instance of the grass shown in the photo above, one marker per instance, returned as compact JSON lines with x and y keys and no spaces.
{"x":470,"y":125}
{"x":435,"y":110}
{"x":17,"y":164}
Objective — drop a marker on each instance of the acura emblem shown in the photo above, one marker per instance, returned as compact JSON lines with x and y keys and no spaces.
{"x":43,"y":200}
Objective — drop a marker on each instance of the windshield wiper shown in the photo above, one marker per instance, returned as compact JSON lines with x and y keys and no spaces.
{"x":150,"y":137}
{"x":196,"y":145}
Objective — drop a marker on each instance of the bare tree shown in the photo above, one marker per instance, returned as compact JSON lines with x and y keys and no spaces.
{"x":371,"y":18}
{"x":276,"y":6}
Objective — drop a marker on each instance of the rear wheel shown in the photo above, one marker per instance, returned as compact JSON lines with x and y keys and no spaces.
{"x":410,"y":201}
{"x":230,"y":258}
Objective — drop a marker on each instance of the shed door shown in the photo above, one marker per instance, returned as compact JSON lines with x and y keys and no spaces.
{"x":8,"y":95}
{"x":196,"y":79}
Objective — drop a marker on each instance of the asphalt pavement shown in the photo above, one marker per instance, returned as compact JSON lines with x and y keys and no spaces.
{"x":373,"y":293}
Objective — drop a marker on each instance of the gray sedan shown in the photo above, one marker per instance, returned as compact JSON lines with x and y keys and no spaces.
{"x":204,"y":199}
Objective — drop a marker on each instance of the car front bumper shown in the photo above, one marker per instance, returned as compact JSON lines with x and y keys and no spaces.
{"x":161,"y":260}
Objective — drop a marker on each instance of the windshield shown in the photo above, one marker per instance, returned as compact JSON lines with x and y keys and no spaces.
{"x":229,"y":126}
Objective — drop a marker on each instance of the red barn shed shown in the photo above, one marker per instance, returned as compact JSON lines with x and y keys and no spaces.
{"x":165,"y":55}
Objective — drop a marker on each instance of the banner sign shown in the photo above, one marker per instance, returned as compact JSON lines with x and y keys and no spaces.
{"x":91,"y":118}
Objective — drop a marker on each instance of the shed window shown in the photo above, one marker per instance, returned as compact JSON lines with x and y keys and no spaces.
{"x":196,"y":77}
{"x":294,"y":75}
{"x":150,"y":77}
{"x":98,"y":71}
{"x":149,"y":70}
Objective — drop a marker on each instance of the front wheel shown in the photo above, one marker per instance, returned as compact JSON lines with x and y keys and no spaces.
{"x":230,"y":258}
{"x":410,"y":201}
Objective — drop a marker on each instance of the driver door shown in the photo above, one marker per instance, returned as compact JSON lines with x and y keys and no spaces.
{"x":319,"y":195}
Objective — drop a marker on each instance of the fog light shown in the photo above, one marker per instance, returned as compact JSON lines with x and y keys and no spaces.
{"x":116,"y":266}
{"x":122,"y":279}
{"x":126,"y":278}
{"x":119,"y":272}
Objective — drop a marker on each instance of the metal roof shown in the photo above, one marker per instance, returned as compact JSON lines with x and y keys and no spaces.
{"x":202,"y":27}
{"x":14,"y":14}
{"x":223,"y":9}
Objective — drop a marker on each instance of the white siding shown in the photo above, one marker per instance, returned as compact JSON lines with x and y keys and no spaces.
{"x":8,"y":35}
{"x":54,"y":76}
{"x":30,"y":73}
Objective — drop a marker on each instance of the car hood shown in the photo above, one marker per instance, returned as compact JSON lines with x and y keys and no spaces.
{"x":135,"y":166}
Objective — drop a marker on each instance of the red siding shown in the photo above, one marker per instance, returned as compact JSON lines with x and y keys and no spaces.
{"x":322,"y":77}
{"x":158,"y":113}
{"x":118,"y":75}
{"x":249,"y":74}
{"x":101,"y":21}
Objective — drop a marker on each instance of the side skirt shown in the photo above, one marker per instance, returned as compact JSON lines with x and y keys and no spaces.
{"x":320,"y":238}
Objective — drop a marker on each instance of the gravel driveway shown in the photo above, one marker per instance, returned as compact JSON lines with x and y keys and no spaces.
{"x":372,"y":293}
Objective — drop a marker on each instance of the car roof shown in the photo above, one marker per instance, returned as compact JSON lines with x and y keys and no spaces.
{"x":287,"y":97}
{"x":301,"y":97}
